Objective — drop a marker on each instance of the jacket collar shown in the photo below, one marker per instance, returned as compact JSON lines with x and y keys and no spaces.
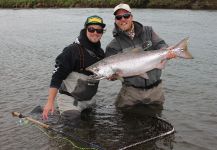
{"x":88,"y":45}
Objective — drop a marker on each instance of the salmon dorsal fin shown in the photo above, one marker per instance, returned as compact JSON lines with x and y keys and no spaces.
{"x":136,"y":49}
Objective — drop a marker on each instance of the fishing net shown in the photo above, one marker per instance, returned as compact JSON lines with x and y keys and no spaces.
{"x":154,"y":129}
{"x":133,"y":129}
{"x":126,"y":131}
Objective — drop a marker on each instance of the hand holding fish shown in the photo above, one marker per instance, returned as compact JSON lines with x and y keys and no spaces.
{"x":170,"y":54}
{"x":114,"y":76}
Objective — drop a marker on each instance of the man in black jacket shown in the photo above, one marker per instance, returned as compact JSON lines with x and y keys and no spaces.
{"x":129,"y":34}
{"x":69,"y":76}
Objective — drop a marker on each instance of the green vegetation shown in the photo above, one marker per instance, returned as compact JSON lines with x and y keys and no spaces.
{"x":67,"y":3}
{"x":177,"y":4}
{"x":183,"y":4}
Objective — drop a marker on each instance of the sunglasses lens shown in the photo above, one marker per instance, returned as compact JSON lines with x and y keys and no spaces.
{"x":100,"y":31}
{"x":125,"y":16}
{"x":92,"y":30}
{"x":118,"y":17}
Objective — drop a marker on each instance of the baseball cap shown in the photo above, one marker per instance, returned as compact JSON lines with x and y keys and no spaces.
{"x":94,"y":20}
{"x":122,"y":6}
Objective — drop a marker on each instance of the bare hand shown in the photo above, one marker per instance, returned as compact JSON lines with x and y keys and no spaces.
{"x":113,"y":77}
{"x":49,"y":107}
{"x":170,"y":53}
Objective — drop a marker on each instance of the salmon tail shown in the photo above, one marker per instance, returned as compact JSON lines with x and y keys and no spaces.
{"x":181,"y":49}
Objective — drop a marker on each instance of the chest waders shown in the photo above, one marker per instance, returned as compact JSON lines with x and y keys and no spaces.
{"x":136,"y":90}
{"x":77,"y":89}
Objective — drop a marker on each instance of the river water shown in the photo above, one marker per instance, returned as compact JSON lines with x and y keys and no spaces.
{"x":30,"y":40}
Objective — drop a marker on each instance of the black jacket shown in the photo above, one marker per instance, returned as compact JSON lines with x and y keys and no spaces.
{"x":76,"y":57}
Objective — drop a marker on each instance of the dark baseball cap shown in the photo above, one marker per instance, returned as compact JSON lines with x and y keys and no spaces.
{"x":94,"y":20}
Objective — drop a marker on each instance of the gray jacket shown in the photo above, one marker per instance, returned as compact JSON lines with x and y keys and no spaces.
{"x":144,"y":38}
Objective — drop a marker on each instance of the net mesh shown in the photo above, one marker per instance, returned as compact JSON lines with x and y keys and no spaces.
{"x":135,"y":133}
{"x":132,"y":129}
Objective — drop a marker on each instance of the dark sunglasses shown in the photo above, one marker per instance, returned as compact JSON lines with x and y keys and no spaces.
{"x":125,"y":16}
{"x":92,"y":30}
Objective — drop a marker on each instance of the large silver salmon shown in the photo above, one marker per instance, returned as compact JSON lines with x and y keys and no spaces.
{"x":137,"y":62}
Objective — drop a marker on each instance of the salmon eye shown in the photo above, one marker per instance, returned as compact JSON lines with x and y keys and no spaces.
{"x":96,"y":69}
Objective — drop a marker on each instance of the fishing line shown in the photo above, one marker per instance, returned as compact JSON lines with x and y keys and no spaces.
{"x":63,"y":138}
{"x":23,"y":121}
{"x":42,"y":125}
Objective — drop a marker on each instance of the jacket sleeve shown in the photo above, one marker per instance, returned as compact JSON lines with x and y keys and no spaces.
{"x":65,"y":64}
{"x":158,"y":42}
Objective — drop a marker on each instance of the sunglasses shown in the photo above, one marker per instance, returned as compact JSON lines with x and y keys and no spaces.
{"x":92,"y":30}
{"x":125,"y":16}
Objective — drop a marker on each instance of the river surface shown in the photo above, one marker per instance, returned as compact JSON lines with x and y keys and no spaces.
{"x":30,"y":40}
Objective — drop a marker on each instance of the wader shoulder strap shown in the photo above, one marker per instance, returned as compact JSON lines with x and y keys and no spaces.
{"x":81,"y":54}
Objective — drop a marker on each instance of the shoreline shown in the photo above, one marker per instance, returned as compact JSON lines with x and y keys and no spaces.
{"x":152,"y":4}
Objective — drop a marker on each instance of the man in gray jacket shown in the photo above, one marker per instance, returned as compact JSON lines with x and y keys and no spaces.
{"x":129,"y":34}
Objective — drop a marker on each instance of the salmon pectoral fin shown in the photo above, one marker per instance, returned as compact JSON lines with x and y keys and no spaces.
{"x":162,"y":64}
{"x":121,"y":79}
{"x":145,"y":75}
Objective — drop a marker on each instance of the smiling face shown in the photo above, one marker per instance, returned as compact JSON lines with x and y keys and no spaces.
{"x":124,"y":23}
{"x":94,"y":33}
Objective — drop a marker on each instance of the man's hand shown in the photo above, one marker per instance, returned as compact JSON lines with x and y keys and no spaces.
{"x":112,"y":77}
{"x":170,"y":53}
{"x":49,"y":107}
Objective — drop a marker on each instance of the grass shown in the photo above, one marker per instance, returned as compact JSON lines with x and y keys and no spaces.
{"x":179,"y":4}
